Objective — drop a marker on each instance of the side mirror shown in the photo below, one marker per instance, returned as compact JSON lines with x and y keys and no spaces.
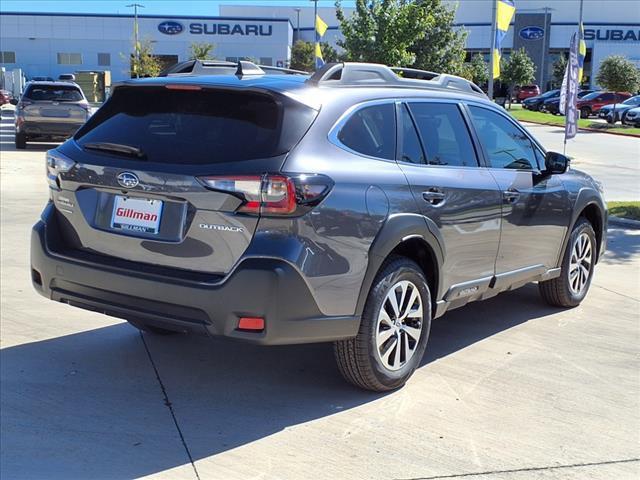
{"x":13,"y":101}
{"x":555,"y":163}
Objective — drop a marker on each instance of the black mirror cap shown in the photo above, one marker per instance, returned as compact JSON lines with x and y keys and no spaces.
{"x":13,"y":101}
{"x":556,"y":163}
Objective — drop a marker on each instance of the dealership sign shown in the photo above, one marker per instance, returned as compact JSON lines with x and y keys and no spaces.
{"x":173,"y":28}
{"x":611,"y":34}
{"x":532,"y":33}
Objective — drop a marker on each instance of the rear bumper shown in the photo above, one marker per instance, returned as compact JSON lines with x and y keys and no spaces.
{"x":49,"y":129}
{"x":258,"y":287}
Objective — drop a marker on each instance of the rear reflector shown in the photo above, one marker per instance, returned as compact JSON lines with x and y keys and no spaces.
{"x":251,"y":323}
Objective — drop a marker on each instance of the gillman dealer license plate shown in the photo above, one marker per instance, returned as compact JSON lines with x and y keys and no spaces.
{"x":140,"y":215}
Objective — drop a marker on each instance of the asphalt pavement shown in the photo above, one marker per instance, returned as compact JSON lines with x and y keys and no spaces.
{"x":509,"y":388}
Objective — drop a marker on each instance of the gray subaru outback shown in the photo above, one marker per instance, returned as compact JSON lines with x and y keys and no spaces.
{"x":353,"y":206}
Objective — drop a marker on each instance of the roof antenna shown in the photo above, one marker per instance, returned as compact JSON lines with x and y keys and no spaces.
{"x":248,"y":68}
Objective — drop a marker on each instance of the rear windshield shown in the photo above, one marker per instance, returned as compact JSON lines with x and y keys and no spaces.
{"x":198,"y":126}
{"x":58,"y":93}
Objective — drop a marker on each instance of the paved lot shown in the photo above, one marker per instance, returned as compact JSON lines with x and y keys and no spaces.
{"x":612,"y":159}
{"x":509,"y":388}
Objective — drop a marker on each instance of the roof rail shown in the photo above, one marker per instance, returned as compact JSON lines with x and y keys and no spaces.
{"x":220,"y":67}
{"x":374,"y":74}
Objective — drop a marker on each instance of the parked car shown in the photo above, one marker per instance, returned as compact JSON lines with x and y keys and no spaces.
{"x":279,"y":209}
{"x":534,"y":103}
{"x":632,"y":117}
{"x":552,"y":105}
{"x":526,"y":91}
{"x":592,"y":103}
{"x":5,"y":97}
{"x":49,"y":111}
{"x":607,"y":112}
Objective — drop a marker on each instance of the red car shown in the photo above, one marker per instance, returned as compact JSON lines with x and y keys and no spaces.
{"x":592,"y":103}
{"x":526,"y":91}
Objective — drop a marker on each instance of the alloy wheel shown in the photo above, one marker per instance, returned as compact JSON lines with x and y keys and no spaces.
{"x":580,"y":264}
{"x":399,"y":325}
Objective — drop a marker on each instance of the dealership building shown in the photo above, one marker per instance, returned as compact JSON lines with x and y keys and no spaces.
{"x":49,"y":44}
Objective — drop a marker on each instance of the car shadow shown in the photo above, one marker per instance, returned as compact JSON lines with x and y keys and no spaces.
{"x":90,"y":400}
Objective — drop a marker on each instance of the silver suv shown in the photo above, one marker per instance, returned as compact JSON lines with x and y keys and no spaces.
{"x":352,"y":206}
{"x":49,"y":111}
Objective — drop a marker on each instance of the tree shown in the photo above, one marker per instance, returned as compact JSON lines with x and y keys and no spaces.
{"x":329,"y":54}
{"x":518,"y":70}
{"x":146,"y":64}
{"x":201,"y":51}
{"x":479,"y":69}
{"x":383,"y":31}
{"x":442,"y":48}
{"x":558,"y":69}
{"x":303,"y":55}
{"x":618,"y":74}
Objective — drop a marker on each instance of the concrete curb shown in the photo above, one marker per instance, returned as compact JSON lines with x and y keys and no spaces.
{"x":597,"y":130}
{"x":624,"y":222}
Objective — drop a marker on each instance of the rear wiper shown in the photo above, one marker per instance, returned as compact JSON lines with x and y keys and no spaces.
{"x":116,"y":148}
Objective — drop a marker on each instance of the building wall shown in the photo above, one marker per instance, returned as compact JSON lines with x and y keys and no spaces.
{"x":38,"y":38}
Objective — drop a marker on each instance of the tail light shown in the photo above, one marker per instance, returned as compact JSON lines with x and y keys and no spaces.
{"x":272,"y":195}
{"x":57,"y":164}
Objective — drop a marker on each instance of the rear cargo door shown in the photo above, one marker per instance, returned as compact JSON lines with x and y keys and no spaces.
{"x":136,"y":191}
{"x":53,"y":103}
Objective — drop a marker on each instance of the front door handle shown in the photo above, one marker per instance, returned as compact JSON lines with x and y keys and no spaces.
{"x":511,"y":195}
{"x":434,"y":196}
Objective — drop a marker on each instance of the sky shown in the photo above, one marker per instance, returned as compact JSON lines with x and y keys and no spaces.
{"x":152,"y":7}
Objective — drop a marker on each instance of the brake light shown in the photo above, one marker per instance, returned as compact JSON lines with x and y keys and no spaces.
{"x":173,"y":86}
{"x":57,"y":163}
{"x":272,"y":194}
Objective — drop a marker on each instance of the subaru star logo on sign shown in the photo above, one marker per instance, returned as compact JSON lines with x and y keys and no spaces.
{"x":532,"y":33}
{"x":128,"y":179}
{"x":170,"y":27}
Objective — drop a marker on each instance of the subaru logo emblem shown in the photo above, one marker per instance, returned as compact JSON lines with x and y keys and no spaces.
{"x":532,"y":33}
{"x":128,"y":180}
{"x":170,"y":27}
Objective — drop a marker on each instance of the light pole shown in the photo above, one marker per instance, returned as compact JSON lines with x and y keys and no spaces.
{"x":297,"y":24}
{"x":135,"y":33}
{"x":315,"y":32}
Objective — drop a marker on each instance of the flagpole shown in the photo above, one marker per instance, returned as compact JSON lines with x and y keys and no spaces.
{"x":491,"y":47}
{"x":315,"y":32}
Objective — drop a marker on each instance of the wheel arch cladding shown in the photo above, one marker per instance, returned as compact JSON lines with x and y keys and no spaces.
{"x":594,"y":215}
{"x":405,"y":235}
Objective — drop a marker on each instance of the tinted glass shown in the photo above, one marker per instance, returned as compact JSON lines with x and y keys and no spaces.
{"x":198,"y":127}
{"x":371,"y":131}
{"x":633,"y":100}
{"x":444,"y":134}
{"x":591,"y":96}
{"x":57,"y":93}
{"x":505,"y":144}
{"x":411,"y":148}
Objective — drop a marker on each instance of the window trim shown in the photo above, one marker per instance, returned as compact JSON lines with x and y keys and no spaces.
{"x":480,"y":162}
{"x":344,"y":118}
{"x":487,"y":164}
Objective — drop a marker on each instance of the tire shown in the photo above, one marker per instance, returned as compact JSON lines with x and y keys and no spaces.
{"x":143,"y":327}
{"x":21,"y":141}
{"x":561,"y":291}
{"x":585,"y":112}
{"x":359,"y":359}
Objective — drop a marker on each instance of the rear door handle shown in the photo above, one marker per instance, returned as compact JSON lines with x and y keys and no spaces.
{"x":511,"y":195}
{"x":434,"y":196}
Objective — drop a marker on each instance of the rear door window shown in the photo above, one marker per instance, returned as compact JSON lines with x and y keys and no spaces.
{"x":444,"y":134}
{"x":198,"y":126}
{"x":411,"y":148}
{"x":371,"y":131}
{"x":55,"y":93}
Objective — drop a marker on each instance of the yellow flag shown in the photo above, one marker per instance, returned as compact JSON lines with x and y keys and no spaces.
{"x":321,"y":27}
